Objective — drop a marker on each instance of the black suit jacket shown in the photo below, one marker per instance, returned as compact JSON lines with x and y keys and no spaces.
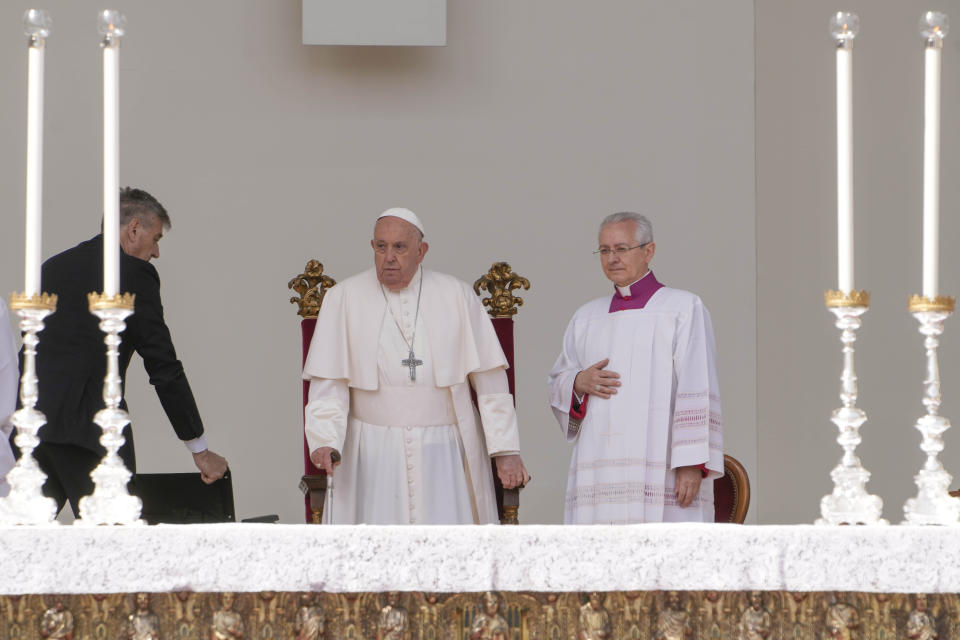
{"x":71,"y":356}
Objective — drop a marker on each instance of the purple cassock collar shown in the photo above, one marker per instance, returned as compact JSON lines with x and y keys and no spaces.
{"x":640,"y":293}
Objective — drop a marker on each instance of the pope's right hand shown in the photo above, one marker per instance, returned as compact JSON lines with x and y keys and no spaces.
{"x":596,"y":381}
{"x":325,"y":459}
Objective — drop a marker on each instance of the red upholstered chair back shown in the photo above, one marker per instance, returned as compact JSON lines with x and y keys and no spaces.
{"x":311,"y":285}
{"x":500,"y":282}
{"x":731,"y":493}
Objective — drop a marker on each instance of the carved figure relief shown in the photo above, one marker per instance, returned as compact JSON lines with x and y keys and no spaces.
{"x":227,"y":624}
{"x":310,"y":623}
{"x":143,"y":624}
{"x":842,"y":619}
{"x":755,"y":623}
{"x":673,"y":622}
{"x":921,"y":624}
{"x":489,"y":625}
{"x":393,"y":619}
{"x":57,"y":621}
{"x":594,"y":619}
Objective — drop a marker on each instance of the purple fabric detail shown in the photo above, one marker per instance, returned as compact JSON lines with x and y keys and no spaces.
{"x":640,"y":293}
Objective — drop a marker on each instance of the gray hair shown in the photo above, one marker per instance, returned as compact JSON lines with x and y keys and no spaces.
{"x":137,"y":203}
{"x":644,"y":228}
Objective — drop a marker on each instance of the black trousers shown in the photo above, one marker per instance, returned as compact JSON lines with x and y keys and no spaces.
{"x":68,"y":468}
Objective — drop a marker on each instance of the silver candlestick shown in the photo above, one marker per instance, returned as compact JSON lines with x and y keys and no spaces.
{"x":933,"y":503}
{"x":26,"y":504}
{"x":849,"y":503}
{"x":110,"y":502}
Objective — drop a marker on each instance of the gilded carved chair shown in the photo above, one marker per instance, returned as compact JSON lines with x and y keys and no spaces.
{"x":731,"y":493}
{"x":499,"y":282}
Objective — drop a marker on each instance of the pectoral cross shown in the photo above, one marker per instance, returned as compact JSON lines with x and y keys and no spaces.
{"x":412,"y":363}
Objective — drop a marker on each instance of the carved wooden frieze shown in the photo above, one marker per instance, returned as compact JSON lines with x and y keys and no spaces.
{"x":635,"y":615}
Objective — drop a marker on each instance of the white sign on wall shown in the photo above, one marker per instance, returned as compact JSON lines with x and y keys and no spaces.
{"x":375,"y":22}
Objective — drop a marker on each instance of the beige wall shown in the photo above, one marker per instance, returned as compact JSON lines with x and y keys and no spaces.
{"x":539,"y":118}
{"x":799,"y":350}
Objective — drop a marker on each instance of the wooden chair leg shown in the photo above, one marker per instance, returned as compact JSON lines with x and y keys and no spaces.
{"x":511,"y":506}
{"x":315,"y":487}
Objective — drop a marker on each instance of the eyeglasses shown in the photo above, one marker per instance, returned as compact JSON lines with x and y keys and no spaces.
{"x":618,"y":251}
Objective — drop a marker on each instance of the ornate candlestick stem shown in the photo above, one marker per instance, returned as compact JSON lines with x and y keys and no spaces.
{"x":849,"y":503}
{"x":110,"y":502}
{"x":933,"y":503}
{"x":26,"y":503}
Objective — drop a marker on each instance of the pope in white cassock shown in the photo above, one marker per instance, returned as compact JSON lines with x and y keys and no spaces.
{"x":393,"y":354}
{"x":635,"y":389}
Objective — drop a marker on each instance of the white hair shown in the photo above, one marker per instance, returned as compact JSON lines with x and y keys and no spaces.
{"x":643,"y":226}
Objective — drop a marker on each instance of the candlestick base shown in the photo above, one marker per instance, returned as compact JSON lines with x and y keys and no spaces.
{"x":41,"y":301}
{"x":923,"y":303}
{"x":834,"y":299}
{"x":849,"y":503}
{"x":100,"y":301}
{"x":26,"y":504}
{"x":111,"y":503}
{"x":933,"y":503}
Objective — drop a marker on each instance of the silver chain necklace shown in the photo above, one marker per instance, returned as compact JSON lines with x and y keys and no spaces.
{"x":411,"y":362}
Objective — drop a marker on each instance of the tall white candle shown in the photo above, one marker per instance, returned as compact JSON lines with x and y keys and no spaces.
{"x":933,"y":26}
{"x":111,"y":26}
{"x":844,"y":28}
{"x":111,"y":172}
{"x":37,"y":24}
{"x":844,"y":169}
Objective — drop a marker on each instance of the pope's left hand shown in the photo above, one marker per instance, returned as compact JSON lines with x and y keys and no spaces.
{"x":687,"y":484}
{"x":511,"y":471}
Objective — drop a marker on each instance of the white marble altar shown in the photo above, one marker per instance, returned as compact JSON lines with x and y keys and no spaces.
{"x":258,"y":557}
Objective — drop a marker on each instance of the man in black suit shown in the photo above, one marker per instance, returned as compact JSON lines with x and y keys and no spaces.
{"x":71,"y":357}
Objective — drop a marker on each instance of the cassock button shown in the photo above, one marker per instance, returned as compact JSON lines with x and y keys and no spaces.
{"x":409,"y":467}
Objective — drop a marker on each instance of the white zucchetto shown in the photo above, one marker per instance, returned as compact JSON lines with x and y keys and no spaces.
{"x":404,"y":214}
